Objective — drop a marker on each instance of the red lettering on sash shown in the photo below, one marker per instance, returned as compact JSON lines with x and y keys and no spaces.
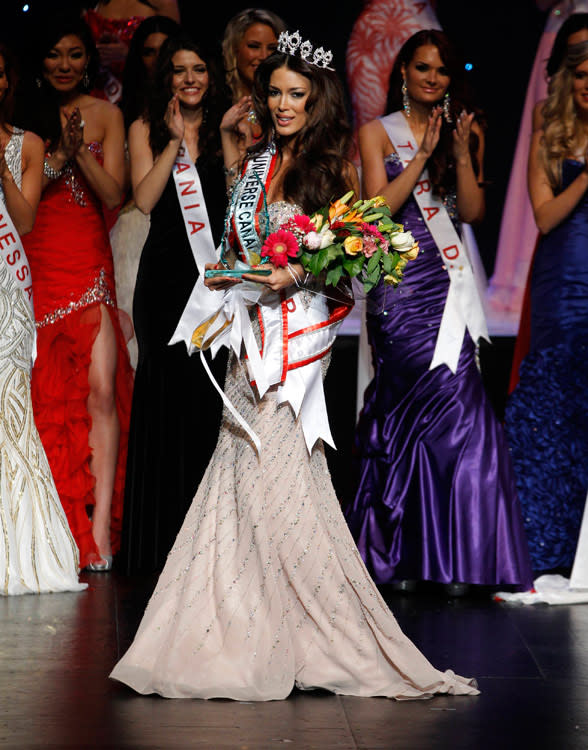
{"x":2,"y":225}
{"x":194,"y":205}
{"x":186,"y":190}
{"x":11,"y":259}
{"x":451,"y":252}
{"x":22,"y":273}
{"x":431,"y":211}
{"x":406,"y":145}
{"x":291,"y":305}
{"x":29,"y":291}
{"x":196,"y":226}
{"x":424,"y":186}
{"x":8,"y":238}
{"x":180,"y":167}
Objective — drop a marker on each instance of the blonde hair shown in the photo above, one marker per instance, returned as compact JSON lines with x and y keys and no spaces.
{"x":562,"y":133}
{"x":233,"y":36}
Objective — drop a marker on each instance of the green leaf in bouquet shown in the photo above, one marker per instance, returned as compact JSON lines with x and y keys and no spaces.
{"x":373,"y":217}
{"x":334,"y":252}
{"x":353,"y":265}
{"x":315,"y":266}
{"x":374,"y":275}
{"x":334,"y":275}
{"x":374,"y":261}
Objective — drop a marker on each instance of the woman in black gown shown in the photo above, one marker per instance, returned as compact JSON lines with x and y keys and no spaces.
{"x":176,"y":411}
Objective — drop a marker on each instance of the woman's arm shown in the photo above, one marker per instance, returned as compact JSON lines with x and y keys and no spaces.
{"x":106,"y":180}
{"x":232,"y":129}
{"x":22,"y":204}
{"x":373,"y":145}
{"x":549,"y":209}
{"x":149,"y":176}
{"x":470,"y":195}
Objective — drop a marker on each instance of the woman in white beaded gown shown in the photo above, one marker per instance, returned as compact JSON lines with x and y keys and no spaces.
{"x":37,"y":551}
{"x":264,"y":589}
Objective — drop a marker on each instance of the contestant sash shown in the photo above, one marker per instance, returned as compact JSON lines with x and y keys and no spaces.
{"x":463,"y":307}
{"x":247,"y":202}
{"x":13,"y":253}
{"x":193,"y":207}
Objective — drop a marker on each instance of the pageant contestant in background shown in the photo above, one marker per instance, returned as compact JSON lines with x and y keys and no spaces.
{"x":129,"y":232}
{"x":250,"y":37}
{"x":37,"y":550}
{"x":176,"y":412}
{"x":264,"y":588}
{"x":82,"y":379}
{"x":436,"y":498}
{"x":518,"y":233}
{"x":113,"y":23}
{"x":547,"y":416}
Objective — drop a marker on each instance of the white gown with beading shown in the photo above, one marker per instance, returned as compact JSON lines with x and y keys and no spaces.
{"x":37,"y":551}
{"x":264,"y":588}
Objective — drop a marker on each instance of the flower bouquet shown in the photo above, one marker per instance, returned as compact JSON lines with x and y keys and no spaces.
{"x":360,"y":241}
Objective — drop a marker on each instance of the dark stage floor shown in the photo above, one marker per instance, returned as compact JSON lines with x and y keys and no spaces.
{"x":56,"y":651}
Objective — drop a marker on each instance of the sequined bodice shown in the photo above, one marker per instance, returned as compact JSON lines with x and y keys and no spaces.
{"x":393,"y":169}
{"x":13,"y":156}
{"x":280,"y":212}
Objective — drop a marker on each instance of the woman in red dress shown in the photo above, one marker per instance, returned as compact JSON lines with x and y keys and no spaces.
{"x":82,"y":381}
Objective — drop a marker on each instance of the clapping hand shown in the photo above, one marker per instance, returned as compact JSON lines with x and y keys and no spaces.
{"x":461,"y":136}
{"x":72,"y":134}
{"x":174,"y":119}
{"x":432,"y":133}
{"x":235,"y":118}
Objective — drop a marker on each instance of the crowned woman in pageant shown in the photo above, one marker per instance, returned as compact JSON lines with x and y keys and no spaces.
{"x":264,"y":589}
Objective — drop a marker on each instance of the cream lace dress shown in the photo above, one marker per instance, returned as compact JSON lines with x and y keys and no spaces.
{"x":264,"y":588}
{"x":37,"y":551}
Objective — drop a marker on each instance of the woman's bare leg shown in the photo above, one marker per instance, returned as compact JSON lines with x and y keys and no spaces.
{"x":105,"y":430}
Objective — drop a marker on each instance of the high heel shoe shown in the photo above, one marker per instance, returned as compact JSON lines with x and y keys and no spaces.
{"x":102,"y":565}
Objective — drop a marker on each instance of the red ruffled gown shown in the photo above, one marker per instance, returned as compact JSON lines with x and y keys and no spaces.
{"x":71,"y":264}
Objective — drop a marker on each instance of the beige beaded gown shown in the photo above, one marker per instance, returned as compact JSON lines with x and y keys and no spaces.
{"x":264,"y":588}
{"x":37,"y":551}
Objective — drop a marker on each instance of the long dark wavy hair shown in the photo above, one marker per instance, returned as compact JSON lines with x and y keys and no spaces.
{"x":214,"y":101}
{"x":323,"y":146}
{"x":136,"y":82}
{"x":38,"y":106}
{"x":7,"y":103}
{"x":441,"y":165}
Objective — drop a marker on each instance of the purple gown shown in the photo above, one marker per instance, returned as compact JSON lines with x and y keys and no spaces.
{"x":436,"y":498}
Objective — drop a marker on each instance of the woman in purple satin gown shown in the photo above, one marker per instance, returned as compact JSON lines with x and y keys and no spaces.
{"x":436,"y":498}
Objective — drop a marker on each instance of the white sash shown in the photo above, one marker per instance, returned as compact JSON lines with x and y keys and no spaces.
{"x":463,"y":307}
{"x":15,"y":258}
{"x":193,"y":205}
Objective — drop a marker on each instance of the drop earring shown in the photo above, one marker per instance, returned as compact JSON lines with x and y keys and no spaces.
{"x":447,"y":108}
{"x":86,"y":79}
{"x":38,"y":82}
{"x":405,"y":98}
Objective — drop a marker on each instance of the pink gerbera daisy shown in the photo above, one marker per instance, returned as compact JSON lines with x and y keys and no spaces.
{"x":280,"y":246}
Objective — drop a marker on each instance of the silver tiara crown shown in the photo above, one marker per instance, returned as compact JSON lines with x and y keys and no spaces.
{"x":292,"y":44}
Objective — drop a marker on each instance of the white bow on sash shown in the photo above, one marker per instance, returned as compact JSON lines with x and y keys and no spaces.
{"x":463,"y":306}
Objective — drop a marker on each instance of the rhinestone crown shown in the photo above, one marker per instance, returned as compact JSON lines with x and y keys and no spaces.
{"x":293,"y":44}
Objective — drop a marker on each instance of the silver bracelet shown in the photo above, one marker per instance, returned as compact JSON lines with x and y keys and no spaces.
{"x":230,"y":171}
{"x":50,"y":172}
